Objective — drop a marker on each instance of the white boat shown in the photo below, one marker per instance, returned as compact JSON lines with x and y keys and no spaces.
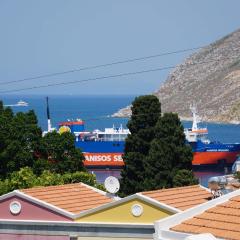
{"x":21,"y":103}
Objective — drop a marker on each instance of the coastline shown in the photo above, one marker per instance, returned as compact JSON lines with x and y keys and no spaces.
{"x":126,"y":113}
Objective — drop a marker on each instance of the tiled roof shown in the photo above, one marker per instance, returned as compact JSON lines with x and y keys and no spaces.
{"x":181,"y":197}
{"x":73,"y":198}
{"x":222,"y":221}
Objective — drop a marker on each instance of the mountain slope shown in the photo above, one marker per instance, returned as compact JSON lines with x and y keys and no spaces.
{"x":210,"y":79}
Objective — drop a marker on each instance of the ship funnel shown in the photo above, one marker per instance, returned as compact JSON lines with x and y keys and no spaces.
{"x":48,"y":117}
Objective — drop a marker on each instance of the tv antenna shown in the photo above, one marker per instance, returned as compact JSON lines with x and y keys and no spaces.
{"x":112,"y":184}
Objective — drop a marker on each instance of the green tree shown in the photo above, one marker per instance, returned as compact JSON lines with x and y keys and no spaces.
{"x":75,"y":177}
{"x":145,"y":113}
{"x":184,"y":177}
{"x":48,"y":178}
{"x":22,"y":144}
{"x":170,"y":158}
{"x":20,"y":137}
{"x":25,"y":178}
{"x":41,"y":165}
{"x":156,"y":154}
{"x":4,"y":187}
{"x":61,"y":153}
{"x":6,"y":117}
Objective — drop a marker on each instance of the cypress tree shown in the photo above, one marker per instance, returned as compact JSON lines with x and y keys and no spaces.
{"x":145,"y":113}
{"x":169,"y":161}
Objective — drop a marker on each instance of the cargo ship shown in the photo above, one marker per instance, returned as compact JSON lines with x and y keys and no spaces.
{"x":105,"y":148}
{"x":100,"y":148}
{"x":206,"y":152}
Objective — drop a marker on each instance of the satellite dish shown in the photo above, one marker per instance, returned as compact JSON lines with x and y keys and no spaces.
{"x":112,"y":184}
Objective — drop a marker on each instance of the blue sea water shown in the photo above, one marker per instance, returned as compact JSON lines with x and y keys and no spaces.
{"x":96,"y":111}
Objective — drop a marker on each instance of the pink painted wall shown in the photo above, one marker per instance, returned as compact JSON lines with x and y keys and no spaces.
{"x":31,"y":237}
{"x":29,"y":211}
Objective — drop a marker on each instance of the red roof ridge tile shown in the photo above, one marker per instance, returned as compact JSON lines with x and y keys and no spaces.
{"x":50,"y":187}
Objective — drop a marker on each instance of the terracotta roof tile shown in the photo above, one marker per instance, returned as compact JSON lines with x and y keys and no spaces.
{"x":73,"y":198}
{"x":181,"y":197}
{"x":225,"y":234}
{"x":222,"y":221}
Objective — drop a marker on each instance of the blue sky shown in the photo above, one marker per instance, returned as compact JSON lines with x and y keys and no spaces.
{"x":39,"y":37}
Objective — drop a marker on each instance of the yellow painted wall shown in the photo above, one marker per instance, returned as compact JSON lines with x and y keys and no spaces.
{"x":122,"y":214}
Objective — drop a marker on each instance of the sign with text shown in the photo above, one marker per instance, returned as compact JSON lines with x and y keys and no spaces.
{"x":103,"y":159}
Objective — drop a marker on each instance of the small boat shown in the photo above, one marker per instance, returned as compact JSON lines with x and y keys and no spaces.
{"x":21,"y":103}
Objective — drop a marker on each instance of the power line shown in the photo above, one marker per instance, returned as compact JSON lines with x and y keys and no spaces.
{"x":88,"y":80}
{"x":111,"y":76}
{"x":99,"y":66}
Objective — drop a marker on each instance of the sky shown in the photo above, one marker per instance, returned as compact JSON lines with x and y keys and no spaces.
{"x":43,"y":37}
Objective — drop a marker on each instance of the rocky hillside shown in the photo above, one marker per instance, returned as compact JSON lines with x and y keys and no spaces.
{"x":209,"y":78}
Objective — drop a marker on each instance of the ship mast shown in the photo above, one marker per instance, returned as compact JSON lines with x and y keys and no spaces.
{"x":195,"y":118}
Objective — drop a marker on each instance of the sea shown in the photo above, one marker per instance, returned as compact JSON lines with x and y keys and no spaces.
{"x":96,"y":111}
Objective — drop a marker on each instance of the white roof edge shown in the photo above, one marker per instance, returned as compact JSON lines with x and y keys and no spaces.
{"x":128,"y":198}
{"x":93,"y":188}
{"x":164,"y":225}
{"x":104,"y":206}
{"x":7,"y":195}
{"x":43,"y":204}
{"x":100,"y":191}
{"x":171,"y":235}
{"x":205,"y":188}
{"x":158,"y":203}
